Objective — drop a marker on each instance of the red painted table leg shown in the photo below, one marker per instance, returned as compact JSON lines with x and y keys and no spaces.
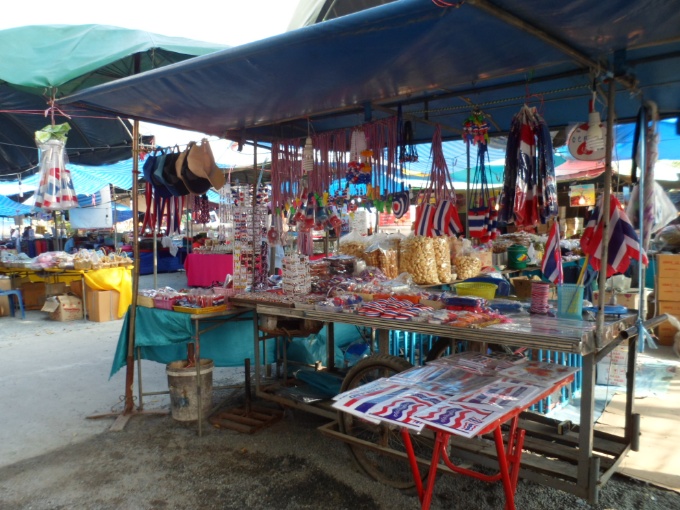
{"x":504,"y":469}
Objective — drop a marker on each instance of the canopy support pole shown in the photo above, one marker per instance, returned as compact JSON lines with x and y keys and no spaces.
{"x":606,"y":212}
{"x":129,"y":410}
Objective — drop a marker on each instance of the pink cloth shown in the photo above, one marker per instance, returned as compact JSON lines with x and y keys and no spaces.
{"x":203,"y":270}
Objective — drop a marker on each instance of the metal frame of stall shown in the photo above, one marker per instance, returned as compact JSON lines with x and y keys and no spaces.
{"x":577,"y":460}
{"x":588,"y":474}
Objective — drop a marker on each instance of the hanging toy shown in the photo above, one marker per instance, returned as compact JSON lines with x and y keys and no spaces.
{"x":475,"y":128}
{"x":358,"y":168}
{"x":400,"y":204}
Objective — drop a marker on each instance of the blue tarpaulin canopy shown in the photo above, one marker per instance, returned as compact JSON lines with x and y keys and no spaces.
{"x":436,"y":62}
{"x":9,"y":207}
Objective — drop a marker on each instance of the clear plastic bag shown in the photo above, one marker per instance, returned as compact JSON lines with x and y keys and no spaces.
{"x":418,"y":259}
{"x":467,"y":264}
{"x":352,"y":244}
{"x":443,"y":258}
{"x":664,"y":208}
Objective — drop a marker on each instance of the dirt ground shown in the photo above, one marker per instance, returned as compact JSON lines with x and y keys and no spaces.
{"x":54,"y":375}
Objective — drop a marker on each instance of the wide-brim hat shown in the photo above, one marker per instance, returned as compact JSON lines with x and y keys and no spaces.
{"x":194,"y":183}
{"x":169,"y":175}
{"x":202,"y":164}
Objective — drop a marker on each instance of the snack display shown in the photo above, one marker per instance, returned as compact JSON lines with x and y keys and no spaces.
{"x":467,"y":266}
{"x":442,"y":258}
{"x":418,"y":259}
{"x":352,"y":244}
{"x":385,"y":259}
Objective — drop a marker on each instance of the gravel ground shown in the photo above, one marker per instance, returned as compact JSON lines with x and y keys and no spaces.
{"x":54,"y":375}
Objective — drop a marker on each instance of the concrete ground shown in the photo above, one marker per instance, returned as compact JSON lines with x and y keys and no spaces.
{"x":53,"y":375}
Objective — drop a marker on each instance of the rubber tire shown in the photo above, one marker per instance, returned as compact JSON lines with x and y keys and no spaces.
{"x":439,"y":348}
{"x":383,"y":468}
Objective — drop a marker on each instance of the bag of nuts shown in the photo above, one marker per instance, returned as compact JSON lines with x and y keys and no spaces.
{"x":467,"y":266}
{"x":352,"y":244}
{"x":443,"y":258}
{"x":383,"y":258}
{"x":418,"y":259}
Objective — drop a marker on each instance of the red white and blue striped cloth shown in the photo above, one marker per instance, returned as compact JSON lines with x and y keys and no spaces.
{"x":552,"y":257}
{"x":623,"y":243}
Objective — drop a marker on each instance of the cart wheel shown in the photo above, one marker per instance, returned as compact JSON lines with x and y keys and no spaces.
{"x":442,"y":347}
{"x":392,"y":471}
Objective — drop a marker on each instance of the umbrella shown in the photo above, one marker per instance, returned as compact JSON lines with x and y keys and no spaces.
{"x":43,"y":63}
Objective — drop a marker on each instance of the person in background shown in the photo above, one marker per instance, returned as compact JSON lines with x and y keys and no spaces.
{"x":16,"y":237}
{"x":69,"y":246}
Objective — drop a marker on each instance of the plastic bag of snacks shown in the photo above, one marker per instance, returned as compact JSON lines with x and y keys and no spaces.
{"x":442,"y":258}
{"x":382,"y":256}
{"x":418,"y":259}
{"x":467,"y":265}
{"x":352,"y":244}
{"x":394,"y":243}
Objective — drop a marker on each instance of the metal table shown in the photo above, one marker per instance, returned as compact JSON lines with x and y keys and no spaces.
{"x":579,"y":460}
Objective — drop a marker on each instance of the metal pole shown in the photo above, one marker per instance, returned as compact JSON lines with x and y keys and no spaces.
{"x":129,"y":362}
{"x":115,"y":219}
{"x":155,"y":258}
{"x":255,"y":244}
{"x":609,"y":143}
{"x":642,"y":154}
{"x":467,"y":192}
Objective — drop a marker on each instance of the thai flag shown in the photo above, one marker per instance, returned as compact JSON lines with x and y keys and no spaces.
{"x":552,"y":258}
{"x":623,"y":243}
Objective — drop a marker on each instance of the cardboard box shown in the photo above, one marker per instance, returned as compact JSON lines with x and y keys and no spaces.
{"x":64,"y":308}
{"x":667,"y":289}
{"x":76,"y":287}
{"x":5,"y":284}
{"x":34,"y":295}
{"x":18,"y":281}
{"x":612,"y":369}
{"x":666,"y":332}
{"x":668,"y":265}
{"x":102,"y":305}
{"x":55,"y":289}
{"x":630,"y":299}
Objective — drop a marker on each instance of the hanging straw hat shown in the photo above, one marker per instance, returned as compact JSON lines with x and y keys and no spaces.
{"x":193,"y":183}
{"x":202,"y":164}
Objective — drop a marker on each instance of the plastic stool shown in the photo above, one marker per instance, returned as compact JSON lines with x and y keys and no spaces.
{"x":14,"y":293}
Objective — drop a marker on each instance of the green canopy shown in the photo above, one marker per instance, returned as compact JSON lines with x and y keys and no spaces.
{"x":73,"y":57}
{"x":37,"y":62}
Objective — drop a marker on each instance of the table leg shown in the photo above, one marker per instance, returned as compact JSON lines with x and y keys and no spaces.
{"x":82,"y":282}
{"x":383,"y":341}
{"x":504,"y":470}
{"x":441,"y":439}
{"x":199,"y":389}
{"x":256,"y":333}
{"x":330,"y":346}
{"x":408,"y":445}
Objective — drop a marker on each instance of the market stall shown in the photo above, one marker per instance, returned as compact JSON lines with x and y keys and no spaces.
{"x":322,"y":134}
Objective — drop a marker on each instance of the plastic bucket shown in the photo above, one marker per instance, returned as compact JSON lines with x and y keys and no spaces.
{"x":183,"y":389}
{"x":570,"y":301}
{"x":517,"y":256}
